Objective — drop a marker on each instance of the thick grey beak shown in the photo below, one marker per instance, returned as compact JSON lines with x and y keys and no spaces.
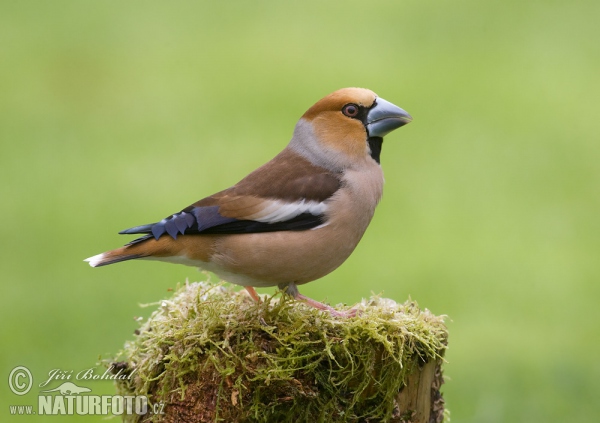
{"x":384,"y":117}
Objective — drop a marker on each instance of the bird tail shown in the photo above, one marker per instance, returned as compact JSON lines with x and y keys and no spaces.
{"x":113,"y":256}
{"x":145,"y":246}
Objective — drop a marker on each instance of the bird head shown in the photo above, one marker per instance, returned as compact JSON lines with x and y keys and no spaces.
{"x":346,"y":128}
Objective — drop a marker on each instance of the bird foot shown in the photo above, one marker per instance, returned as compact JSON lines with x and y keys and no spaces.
{"x":316,"y":304}
{"x":253,"y":294}
{"x":292,"y":290}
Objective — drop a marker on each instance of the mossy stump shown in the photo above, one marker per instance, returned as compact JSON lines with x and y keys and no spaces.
{"x":211,"y":354}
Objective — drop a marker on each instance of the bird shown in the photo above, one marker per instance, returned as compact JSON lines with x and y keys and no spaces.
{"x":293,"y":220}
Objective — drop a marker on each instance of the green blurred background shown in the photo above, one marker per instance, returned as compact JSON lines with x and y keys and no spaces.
{"x":114,"y":114}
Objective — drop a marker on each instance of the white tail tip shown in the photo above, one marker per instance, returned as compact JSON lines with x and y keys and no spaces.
{"x":95,"y":260}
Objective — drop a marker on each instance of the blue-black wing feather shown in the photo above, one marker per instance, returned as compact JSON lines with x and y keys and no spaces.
{"x":207,"y":220}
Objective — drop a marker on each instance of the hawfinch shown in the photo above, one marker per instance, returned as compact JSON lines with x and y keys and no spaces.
{"x":294,"y":219}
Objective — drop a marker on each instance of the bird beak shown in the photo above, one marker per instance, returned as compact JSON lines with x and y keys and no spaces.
{"x":385,"y":117}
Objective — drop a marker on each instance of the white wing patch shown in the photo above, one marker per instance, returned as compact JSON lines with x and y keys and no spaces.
{"x":280,"y":211}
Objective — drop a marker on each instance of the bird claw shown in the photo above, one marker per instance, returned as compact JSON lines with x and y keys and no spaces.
{"x":353,"y":312}
{"x":316,"y":304}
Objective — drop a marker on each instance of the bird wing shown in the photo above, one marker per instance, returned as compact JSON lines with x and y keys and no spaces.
{"x":286,"y":194}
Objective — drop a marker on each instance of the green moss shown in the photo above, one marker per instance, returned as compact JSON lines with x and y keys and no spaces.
{"x":278,"y":360}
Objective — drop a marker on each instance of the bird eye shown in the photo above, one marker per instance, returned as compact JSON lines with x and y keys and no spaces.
{"x":350,"y":110}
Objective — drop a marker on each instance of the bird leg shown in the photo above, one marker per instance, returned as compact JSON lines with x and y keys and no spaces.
{"x":253,"y":293}
{"x":292,"y":290}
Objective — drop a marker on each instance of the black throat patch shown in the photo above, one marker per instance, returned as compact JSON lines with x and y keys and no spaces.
{"x":375,"y":144}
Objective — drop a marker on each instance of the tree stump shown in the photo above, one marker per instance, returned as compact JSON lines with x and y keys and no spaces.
{"x":212,"y":354}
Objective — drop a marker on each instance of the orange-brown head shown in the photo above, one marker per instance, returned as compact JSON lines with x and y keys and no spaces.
{"x":346,"y":127}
